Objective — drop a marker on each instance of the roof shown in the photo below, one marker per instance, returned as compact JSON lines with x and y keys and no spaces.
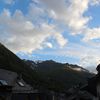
{"x":22,"y":87}
{"x":3,"y":82}
{"x":7,"y":77}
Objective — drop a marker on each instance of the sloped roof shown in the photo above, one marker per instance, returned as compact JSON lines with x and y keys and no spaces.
{"x":11,"y":79}
{"x":22,"y":88}
{"x":8,"y":76}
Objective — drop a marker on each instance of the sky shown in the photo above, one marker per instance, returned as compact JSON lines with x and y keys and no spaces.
{"x":66,"y":31}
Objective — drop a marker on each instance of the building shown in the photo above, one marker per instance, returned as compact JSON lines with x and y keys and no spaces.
{"x":93,"y":85}
{"x":13,"y":87}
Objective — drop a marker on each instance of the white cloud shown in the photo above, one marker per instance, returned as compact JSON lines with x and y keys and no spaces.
{"x":35,"y":25}
{"x":87,"y":57}
{"x":95,"y":2}
{"x":48,"y":44}
{"x":90,"y":62}
{"x":31,"y":31}
{"x":91,"y":34}
{"x":69,"y":12}
{"x":61,"y":40}
{"x":23,"y":35}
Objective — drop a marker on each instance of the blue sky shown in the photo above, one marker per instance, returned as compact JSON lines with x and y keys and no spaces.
{"x":67,"y":31}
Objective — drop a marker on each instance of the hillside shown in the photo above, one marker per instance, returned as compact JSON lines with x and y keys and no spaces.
{"x":44,"y":75}
{"x":59,"y":76}
{"x":9,"y":61}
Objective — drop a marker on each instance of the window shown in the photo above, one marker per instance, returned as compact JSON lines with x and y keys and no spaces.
{"x":20,"y":83}
{"x":3,"y":82}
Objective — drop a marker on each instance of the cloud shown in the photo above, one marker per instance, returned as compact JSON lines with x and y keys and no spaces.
{"x":91,"y":34}
{"x":90,"y":62}
{"x":49,"y":19}
{"x":87,"y":57}
{"x":20,"y":34}
{"x":61,"y":40}
{"x":69,"y":12}
{"x":48,"y":44}
{"x":95,"y":2}
{"x":34,"y":25}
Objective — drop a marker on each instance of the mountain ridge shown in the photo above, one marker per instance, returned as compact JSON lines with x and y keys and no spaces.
{"x":56,"y":72}
{"x":44,"y":75}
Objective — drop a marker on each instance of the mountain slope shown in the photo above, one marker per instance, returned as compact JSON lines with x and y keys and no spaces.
{"x":10,"y":61}
{"x":44,"y":75}
{"x":59,"y":76}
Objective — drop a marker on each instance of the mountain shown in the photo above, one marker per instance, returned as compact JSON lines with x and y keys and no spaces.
{"x":58,"y":76}
{"x":9,"y":61}
{"x":44,"y":74}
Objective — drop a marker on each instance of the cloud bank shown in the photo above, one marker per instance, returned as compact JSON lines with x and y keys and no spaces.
{"x":20,"y":34}
{"x":48,"y":19}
